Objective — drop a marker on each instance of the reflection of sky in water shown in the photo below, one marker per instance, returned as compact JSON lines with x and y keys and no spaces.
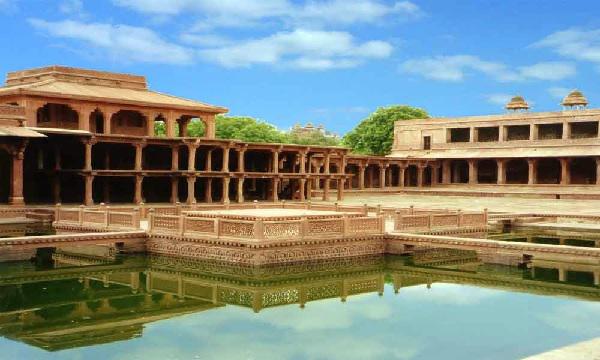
{"x":447,"y":321}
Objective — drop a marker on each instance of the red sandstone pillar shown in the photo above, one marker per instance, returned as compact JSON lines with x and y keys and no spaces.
{"x":240,"y":190}
{"x":139,"y":148}
{"x":174,"y":189}
{"x":598,"y":170}
{"x":275,"y":164}
{"x":327,"y":162}
{"x":302,"y":163}
{"x":16,"y":179}
{"x":401,"y":174}
{"x":532,"y":174}
{"x":175,"y":158}
{"x":472,"y":171}
{"x":565,"y":178}
{"x":225,"y":167}
{"x":226,"y":190}
{"x":209,"y":160}
{"x":435,"y":169}
{"x":382,"y":169}
{"x":340,"y":189}
{"x":446,"y":172}
{"x":501,"y":173}
{"x":88,"y":156}
{"x":208,"y":190}
{"x":420,"y":174}
{"x":191,"y":188}
{"x":302,"y":189}
{"x":241,"y":167}
{"x":361,"y":176}
{"x":309,"y":190}
{"x":137,"y":198}
{"x":192,"y":157}
{"x":275,"y":190}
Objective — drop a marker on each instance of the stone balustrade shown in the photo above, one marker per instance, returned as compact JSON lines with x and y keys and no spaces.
{"x":103,"y":218}
{"x":193,"y":225}
{"x":440,"y":220}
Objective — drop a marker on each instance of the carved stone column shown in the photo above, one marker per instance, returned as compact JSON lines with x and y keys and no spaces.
{"x":565,"y":178}
{"x":137,"y":198}
{"x":402,"y":174}
{"x":326,"y":163}
{"x":435,"y":170}
{"x":208,"y":190}
{"x":275,"y":190}
{"x":501,"y":171}
{"x":302,"y":189}
{"x":192,"y":157}
{"x":382,"y":169}
{"x":16,"y":178}
{"x":472,"y":171}
{"x":174,"y":189}
{"x":175,"y":158}
{"x":191,"y":190}
{"x":88,"y":199}
{"x":302,"y":162}
{"x":241,"y":167}
{"x":446,"y":172}
{"x":420,"y":174}
{"x":340,"y":189}
{"x":225,"y":165}
{"x":139,"y":148}
{"x":209,"y":160}
{"x":532,"y":173}
{"x":309,"y":190}
{"x":275,"y":163}
{"x":361,"y":176}
{"x":240,"y":190}
{"x":88,"y":156}
{"x":326,"y":189}
{"x":226,"y":190}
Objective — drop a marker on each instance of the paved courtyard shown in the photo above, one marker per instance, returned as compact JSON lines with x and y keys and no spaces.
{"x":508,"y":204}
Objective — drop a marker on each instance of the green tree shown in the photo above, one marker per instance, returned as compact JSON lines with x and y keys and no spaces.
{"x":375,"y":134}
{"x":247,"y":129}
{"x":196,"y":128}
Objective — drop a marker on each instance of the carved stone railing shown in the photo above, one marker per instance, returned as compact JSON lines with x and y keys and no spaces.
{"x":440,"y":220}
{"x":103,"y":218}
{"x":192,"y":226}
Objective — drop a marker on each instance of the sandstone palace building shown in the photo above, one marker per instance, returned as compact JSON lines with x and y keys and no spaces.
{"x":80,"y":136}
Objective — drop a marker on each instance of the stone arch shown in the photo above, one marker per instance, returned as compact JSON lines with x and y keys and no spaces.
{"x":97,"y":121}
{"x":582,"y":170}
{"x":54,"y":115}
{"x":517,"y":171}
{"x":548,"y":171}
{"x":128,"y":122}
{"x":160,"y":126}
{"x":487,"y":171}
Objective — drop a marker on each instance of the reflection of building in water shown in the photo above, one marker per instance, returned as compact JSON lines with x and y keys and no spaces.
{"x":86,"y":300}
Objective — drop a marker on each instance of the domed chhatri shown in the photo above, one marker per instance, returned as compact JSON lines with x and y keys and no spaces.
{"x":517,"y":103}
{"x":575,"y":100}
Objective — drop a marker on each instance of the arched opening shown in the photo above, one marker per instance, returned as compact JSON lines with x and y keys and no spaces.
{"x":128,"y":122}
{"x":97,"y":122}
{"x":487,"y":171}
{"x":191,"y":127}
{"x":583,"y":170}
{"x":517,"y":171}
{"x":57,"y":116}
{"x":548,"y":171}
{"x":160,"y":126}
{"x":5,"y":171}
{"x":460,"y":171}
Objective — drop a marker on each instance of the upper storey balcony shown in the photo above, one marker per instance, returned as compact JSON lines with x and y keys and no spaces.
{"x":89,"y":101}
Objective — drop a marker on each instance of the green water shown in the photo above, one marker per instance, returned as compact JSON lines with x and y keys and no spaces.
{"x":439,"y":304}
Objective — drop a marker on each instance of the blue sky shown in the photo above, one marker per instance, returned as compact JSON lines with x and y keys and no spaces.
{"x":329,"y":62}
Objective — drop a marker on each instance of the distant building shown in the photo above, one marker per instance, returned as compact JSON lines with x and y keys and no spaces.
{"x":310,"y":129}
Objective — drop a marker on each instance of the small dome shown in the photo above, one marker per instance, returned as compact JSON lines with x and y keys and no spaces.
{"x":517,"y":103}
{"x":575,"y":99}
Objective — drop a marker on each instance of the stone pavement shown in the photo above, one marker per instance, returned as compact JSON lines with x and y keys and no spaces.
{"x":586,"y":350}
{"x":501,"y":204}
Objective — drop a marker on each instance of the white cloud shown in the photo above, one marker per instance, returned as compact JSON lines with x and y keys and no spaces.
{"x":574,"y":44}
{"x":455,"y":68}
{"x":234,"y":13}
{"x":498,"y":99}
{"x":558,"y":92}
{"x":71,"y":7}
{"x":121,"y":42}
{"x":554,"y":70}
{"x":301,"y":48}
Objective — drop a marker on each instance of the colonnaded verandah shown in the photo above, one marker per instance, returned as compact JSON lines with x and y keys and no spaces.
{"x":81,"y":136}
